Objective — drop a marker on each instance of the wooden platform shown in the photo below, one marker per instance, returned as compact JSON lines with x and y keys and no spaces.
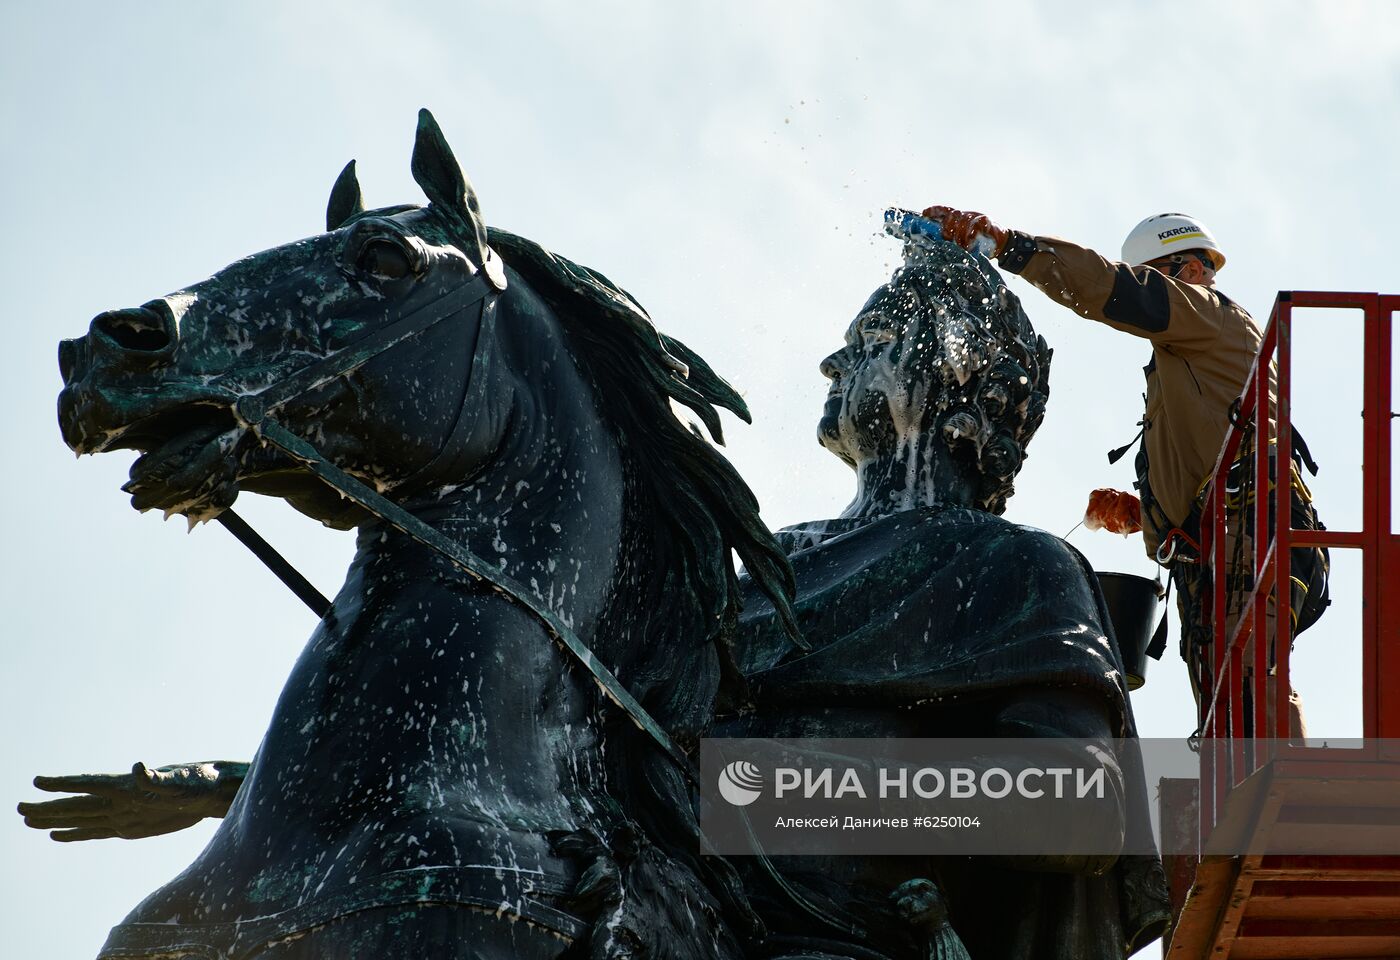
{"x":1319,"y":875}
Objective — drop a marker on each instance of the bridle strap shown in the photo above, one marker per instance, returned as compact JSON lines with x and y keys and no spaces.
{"x":304,"y":589}
{"x":343,"y":362}
{"x":252,"y":410}
{"x":458,"y":437}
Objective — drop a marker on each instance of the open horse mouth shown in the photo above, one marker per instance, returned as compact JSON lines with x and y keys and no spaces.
{"x":187,"y":435}
{"x":189,"y":456}
{"x":194,"y":473}
{"x":98,"y":418}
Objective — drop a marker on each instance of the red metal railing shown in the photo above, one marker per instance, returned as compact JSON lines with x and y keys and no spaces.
{"x":1244,"y":716}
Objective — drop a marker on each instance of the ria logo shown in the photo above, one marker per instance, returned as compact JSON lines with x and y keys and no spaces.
{"x":741,"y":783}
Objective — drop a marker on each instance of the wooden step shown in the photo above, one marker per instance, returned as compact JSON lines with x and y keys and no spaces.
{"x":1277,"y":939}
{"x":1323,"y":900}
{"x":1332,"y":869}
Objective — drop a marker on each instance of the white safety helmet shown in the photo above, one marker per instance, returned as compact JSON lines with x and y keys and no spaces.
{"x":1169,"y":233}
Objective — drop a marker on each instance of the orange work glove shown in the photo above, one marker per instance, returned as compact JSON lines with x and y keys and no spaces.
{"x":1114,"y":511}
{"x":963,"y":226}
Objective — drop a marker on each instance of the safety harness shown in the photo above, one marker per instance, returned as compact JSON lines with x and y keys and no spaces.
{"x":1179,"y":544}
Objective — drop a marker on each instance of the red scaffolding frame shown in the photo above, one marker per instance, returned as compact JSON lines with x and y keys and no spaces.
{"x":1239,"y":668}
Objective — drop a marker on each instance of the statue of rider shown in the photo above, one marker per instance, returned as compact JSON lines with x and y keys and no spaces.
{"x":930,"y":616}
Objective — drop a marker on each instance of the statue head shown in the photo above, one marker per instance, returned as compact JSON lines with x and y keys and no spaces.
{"x":940,"y":386}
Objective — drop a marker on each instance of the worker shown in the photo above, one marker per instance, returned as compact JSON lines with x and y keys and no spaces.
{"x":1203,"y":348}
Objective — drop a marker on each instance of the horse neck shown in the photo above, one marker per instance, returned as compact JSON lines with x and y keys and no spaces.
{"x":547,"y":511}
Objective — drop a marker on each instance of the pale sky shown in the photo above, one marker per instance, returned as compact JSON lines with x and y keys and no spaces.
{"x":727,"y":163}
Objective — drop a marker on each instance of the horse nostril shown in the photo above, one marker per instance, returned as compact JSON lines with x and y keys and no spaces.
{"x":137,"y":330}
{"x":69,"y":356}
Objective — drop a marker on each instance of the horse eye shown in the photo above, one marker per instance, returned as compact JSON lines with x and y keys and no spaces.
{"x":384,"y":260}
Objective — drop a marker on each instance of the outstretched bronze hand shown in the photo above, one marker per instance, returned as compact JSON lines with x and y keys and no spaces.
{"x":143,"y":803}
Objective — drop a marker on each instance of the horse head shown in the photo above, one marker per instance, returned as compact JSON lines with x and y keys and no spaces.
{"x":164,"y":378}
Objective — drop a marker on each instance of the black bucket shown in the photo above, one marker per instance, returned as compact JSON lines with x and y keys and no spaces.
{"x":1132,"y":606}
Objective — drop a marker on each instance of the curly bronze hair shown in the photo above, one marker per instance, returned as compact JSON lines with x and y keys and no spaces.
{"x":993,"y":367}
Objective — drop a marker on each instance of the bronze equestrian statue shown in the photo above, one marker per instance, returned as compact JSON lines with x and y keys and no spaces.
{"x":445,"y":773}
{"x":488,"y":758}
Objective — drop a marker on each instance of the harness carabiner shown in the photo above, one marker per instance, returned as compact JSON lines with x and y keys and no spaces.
{"x":1168,"y":549}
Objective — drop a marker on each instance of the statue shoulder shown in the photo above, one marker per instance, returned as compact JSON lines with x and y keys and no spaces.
{"x":1018,"y":542}
{"x":1048,"y":546}
{"x":1047,"y":565}
{"x":951,"y":551}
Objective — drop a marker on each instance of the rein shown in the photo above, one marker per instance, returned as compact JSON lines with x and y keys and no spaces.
{"x":254,"y":411}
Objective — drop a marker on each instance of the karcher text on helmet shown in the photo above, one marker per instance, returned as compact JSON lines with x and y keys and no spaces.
{"x":1169,"y":233}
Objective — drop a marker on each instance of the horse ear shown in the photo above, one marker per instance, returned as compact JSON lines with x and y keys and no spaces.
{"x":446,"y":186}
{"x":345,"y":199}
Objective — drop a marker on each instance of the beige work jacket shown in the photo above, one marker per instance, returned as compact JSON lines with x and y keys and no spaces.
{"x":1203,"y":347}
